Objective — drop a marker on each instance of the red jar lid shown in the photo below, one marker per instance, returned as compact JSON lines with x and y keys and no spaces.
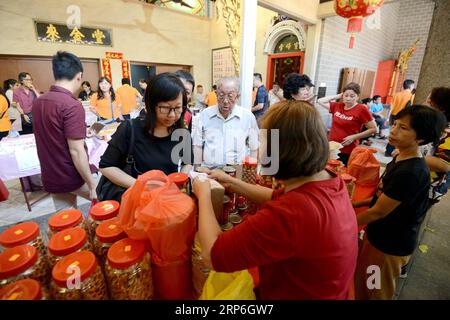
{"x":252,"y":162}
{"x":334,"y":163}
{"x":19,"y":234}
{"x":25,"y":289}
{"x":16,"y":260}
{"x":84,"y":260}
{"x":347,"y":178}
{"x":105,"y":210}
{"x":110,"y":231}
{"x":65,"y":219}
{"x":67,"y":241}
{"x":179,"y":178}
{"x":125,"y":253}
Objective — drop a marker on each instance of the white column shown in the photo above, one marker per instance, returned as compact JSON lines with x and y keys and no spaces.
{"x":248,"y":51}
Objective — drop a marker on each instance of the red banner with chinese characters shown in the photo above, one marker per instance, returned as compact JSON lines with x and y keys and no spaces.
{"x":106,"y":66}
{"x":125,"y":69}
{"x":114,"y":55}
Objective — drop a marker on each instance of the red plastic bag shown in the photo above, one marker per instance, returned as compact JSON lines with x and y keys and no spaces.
{"x":154,"y":209}
{"x":364,"y":166}
{"x":4,"y":193}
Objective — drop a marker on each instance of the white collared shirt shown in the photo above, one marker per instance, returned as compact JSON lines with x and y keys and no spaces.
{"x":226,"y":141}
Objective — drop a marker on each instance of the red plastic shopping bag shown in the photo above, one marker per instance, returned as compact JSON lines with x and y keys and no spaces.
{"x":364,"y":166}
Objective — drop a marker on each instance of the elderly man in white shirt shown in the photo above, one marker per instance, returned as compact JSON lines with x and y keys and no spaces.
{"x":226,"y":133}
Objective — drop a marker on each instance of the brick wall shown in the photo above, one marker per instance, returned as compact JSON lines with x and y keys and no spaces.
{"x":414,"y":23}
{"x":371,"y":46}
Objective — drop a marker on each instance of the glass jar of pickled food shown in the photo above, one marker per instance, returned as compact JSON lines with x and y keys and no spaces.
{"x":23,"y":262}
{"x":107,"y":233}
{"x":102,"y":211}
{"x":128,"y":271}
{"x":350,"y":183}
{"x":78,"y":277}
{"x":23,"y":233}
{"x":181,"y":180}
{"x":25,"y":289}
{"x":66,"y":242}
{"x":66,"y":219}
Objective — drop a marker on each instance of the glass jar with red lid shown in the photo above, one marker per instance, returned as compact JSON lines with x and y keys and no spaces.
{"x":78,"y":277}
{"x":25,"y":289}
{"x":22,"y":262}
{"x":350,"y":183}
{"x":66,"y":219}
{"x":66,"y":242}
{"x":128,"y":271}
{"x":181,"y":180}
{"x":23,"y":233}
{"x":102,"y":211}
{"x":107,"y":233}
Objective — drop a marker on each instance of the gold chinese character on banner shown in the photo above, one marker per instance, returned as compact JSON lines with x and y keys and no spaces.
{"x":296,"y":45}
{"x":52,"y":34}
{"x":288,"y":46}
{"x":281,"y":47}
{"x":98,"y":36}
{"x":76,"y":35}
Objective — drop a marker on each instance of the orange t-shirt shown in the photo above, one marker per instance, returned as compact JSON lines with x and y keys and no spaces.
{"x":211,"y":99}
{"x":103,"y":106}
{"x":128,"y":97}
{"x":400,"y":100}
{"x":5,"y":124}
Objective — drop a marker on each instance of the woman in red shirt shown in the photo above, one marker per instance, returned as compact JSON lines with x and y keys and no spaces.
{"x":304,"y":237}
{"x":348,"y":117}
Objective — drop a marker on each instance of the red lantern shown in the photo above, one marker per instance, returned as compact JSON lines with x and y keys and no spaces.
{"x":355,"y":11}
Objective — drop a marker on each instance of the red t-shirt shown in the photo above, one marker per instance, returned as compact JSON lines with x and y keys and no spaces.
{"x":347,"y":122}
{"x":304,"y":243}
{"x":57,"y":116}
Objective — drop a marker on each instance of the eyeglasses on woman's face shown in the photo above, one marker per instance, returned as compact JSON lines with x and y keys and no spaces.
{"x":166,"y":110}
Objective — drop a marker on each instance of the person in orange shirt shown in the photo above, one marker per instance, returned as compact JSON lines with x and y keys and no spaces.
{"x":5,"y":123}
{"x":211,"y":98}
{"x":399,"y":102}
{"x":105,"y":103}
{"x":128,"y":96}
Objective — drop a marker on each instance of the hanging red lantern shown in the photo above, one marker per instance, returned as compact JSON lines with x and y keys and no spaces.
{"x":355,"y":11}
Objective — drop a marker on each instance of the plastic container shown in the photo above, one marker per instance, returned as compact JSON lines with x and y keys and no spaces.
{"x":66,"y":219}
{"x":350,"y":183}
{"x":335,"y":165}
{"x":107,"y":233}
{"x":23,"y":233}
{"x":25,"y":289}
{"x":22,"y":262}
{"x":102,"y":211}
{"x":90,"y":285}
{"x":181,"y":180}
{"x":66,"y":242}
{"x":128,"y":271}
{"x":200,"y":271}
{"x":249,"y":170}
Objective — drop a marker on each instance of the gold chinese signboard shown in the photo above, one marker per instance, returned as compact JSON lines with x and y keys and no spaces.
{"x":287,"y":44}
{"x":60,"y":33}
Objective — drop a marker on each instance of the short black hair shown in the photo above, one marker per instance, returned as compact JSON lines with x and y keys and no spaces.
{"x":367,"y":100}
{"x":214,"y":87}
{"x":186,"y":76}
{"x":428,"y":123}
{"x":126,"y":81}
{"x":294,"y":82}
{"x":164,"y":87}
{"x":7,"y":84}
{"x":376,"y":97}
{"x":407,"y":84}
{"x":199,"y":86}
{"x":143,"y":81}
{"x":66,"y":65}
{"x":87,"y":83}
{"x":258,"y":76}
{"x":440,"y":99}
{"x":22,"y":76}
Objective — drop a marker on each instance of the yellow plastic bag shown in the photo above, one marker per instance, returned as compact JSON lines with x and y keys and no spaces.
{"x":228,"y":286}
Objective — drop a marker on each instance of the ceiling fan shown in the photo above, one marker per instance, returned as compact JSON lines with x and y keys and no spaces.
{"x":181,"y":2}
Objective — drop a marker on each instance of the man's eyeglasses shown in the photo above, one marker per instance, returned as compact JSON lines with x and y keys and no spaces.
{"x":28,"y":79}
{"x":167,"y":110}
{"x":229,"y":96}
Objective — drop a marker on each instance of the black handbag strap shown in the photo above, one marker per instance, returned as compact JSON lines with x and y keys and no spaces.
{"x":130,"y":155}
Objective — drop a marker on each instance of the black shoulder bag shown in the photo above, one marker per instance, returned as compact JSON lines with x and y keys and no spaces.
{"x":107,"y":190}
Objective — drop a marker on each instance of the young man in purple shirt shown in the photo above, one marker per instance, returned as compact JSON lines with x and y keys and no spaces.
{"x":60,"y":130}
{"x":24,"y":96}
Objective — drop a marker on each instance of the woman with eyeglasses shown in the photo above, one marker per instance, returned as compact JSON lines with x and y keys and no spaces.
{"x":165,"y":101}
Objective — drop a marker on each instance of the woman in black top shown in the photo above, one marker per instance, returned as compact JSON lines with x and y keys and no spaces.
{"x":87,"y":92}
{"x":165,"y":101}
{"x":399,"y":205}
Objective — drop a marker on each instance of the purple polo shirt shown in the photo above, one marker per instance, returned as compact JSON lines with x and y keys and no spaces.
{"x":57,"y":116}
{"x":25,"y":100}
